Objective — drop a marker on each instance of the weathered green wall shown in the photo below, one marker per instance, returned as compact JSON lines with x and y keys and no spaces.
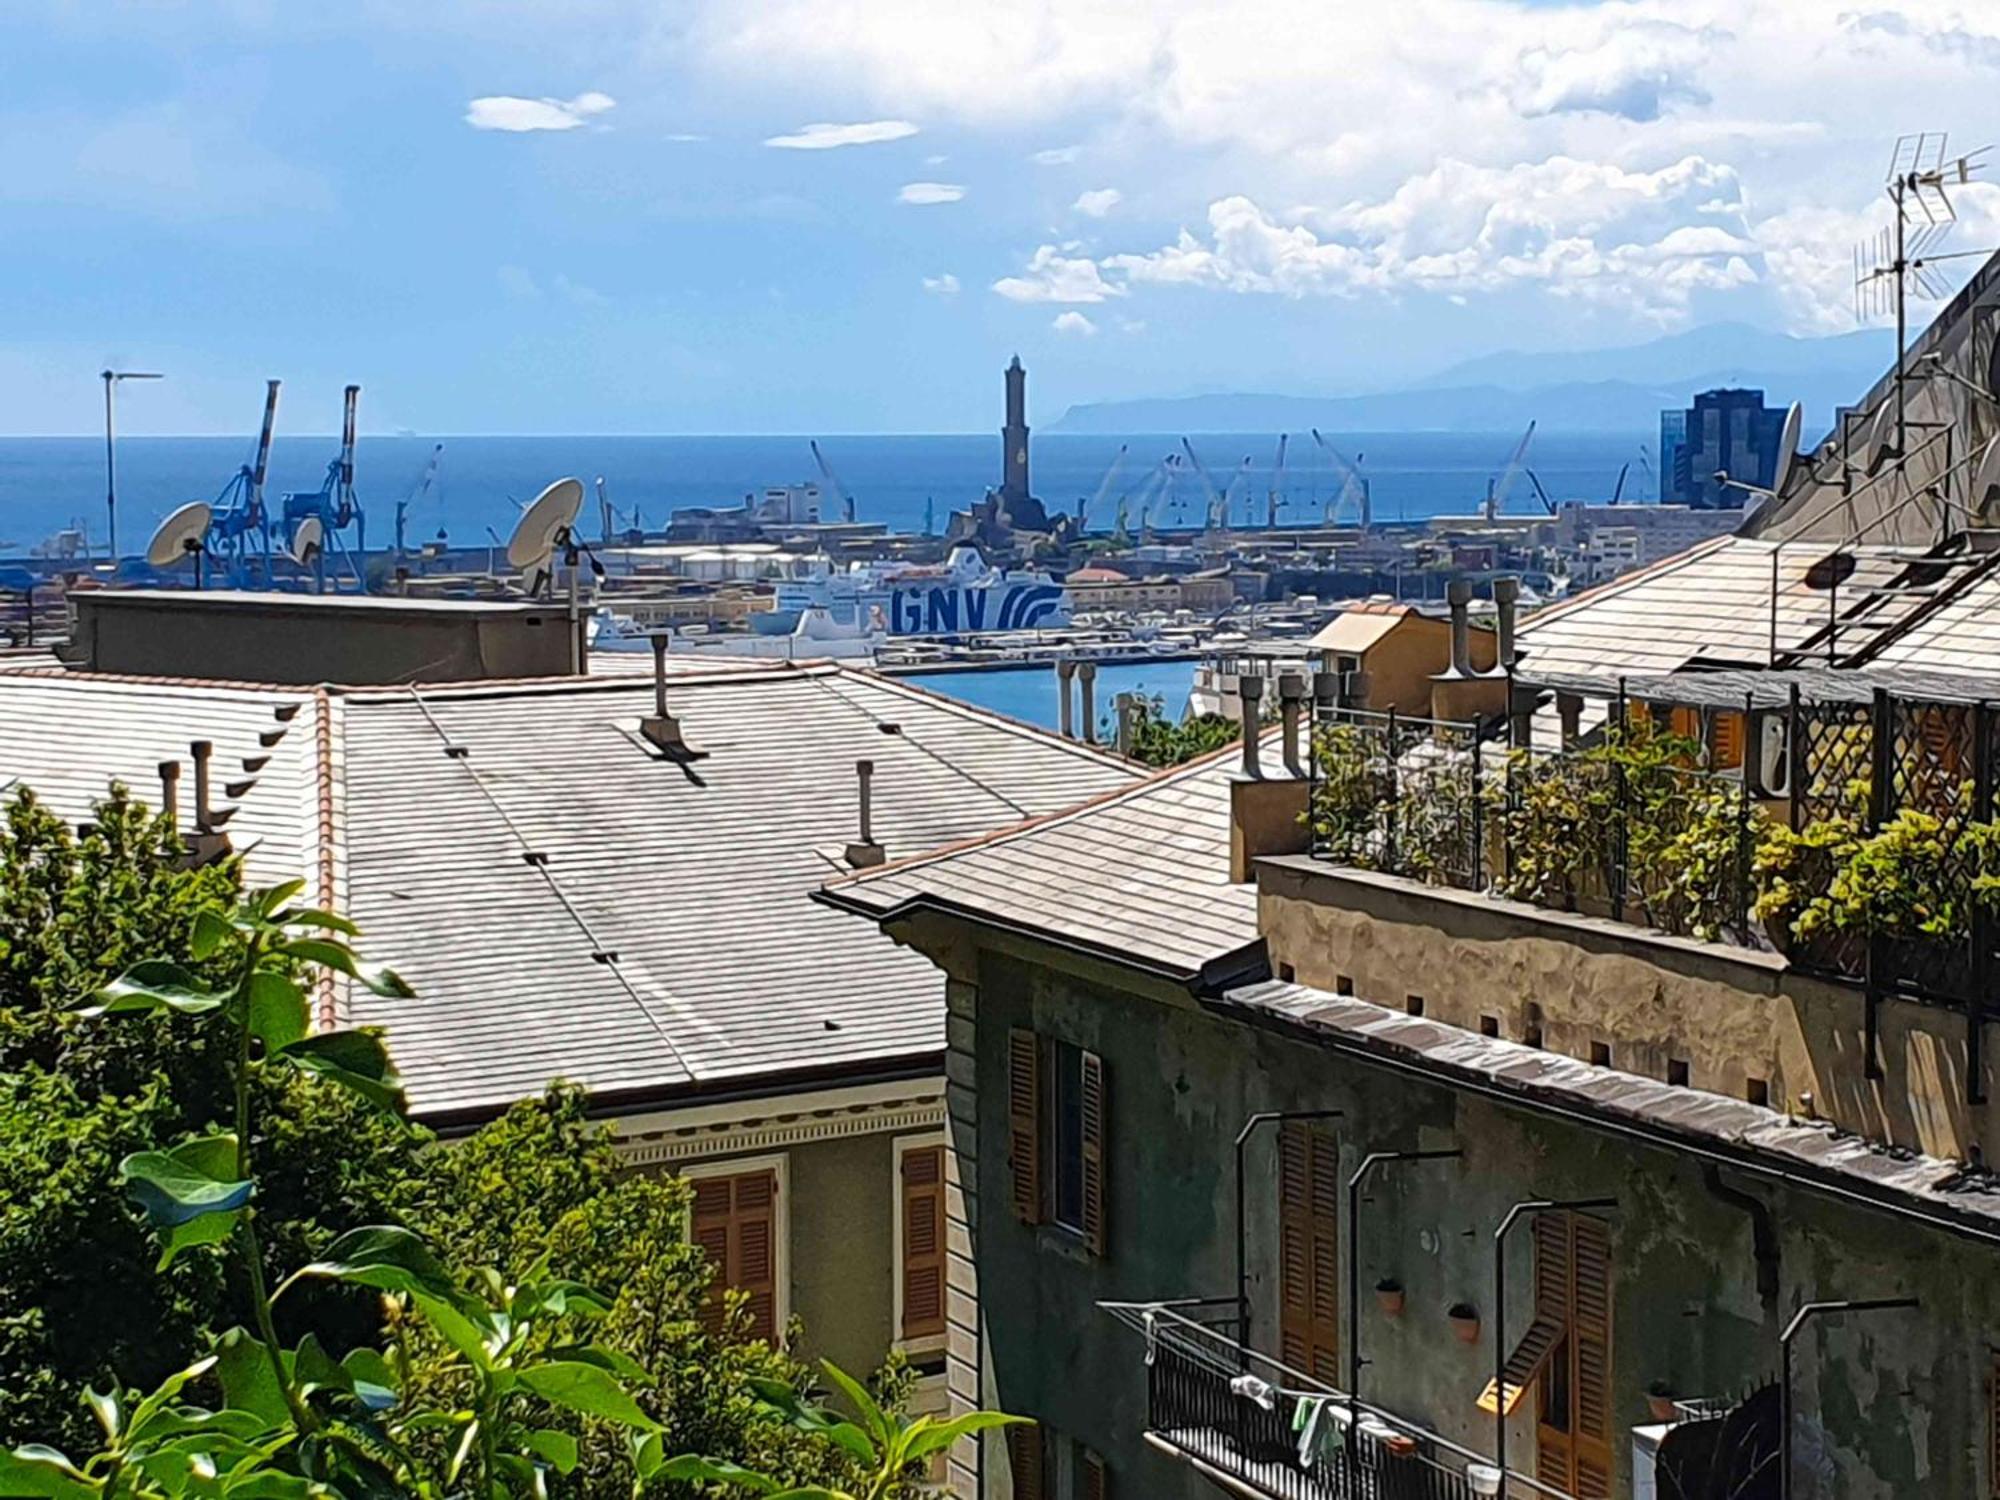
{"x":1686,"y":1305}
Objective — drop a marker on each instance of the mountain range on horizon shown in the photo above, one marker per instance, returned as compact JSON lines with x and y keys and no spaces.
{"x":1621,"y":389}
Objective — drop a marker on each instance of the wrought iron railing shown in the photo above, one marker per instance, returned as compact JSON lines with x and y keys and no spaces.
{"x":1235,"y":1411}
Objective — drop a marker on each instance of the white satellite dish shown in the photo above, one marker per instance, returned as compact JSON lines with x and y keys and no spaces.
{"x":1788,"y":448}
{"x":308,"y":541}
{"x":181,"y":533}
{"x":542,"y":524}
{"x":1881,"y":440}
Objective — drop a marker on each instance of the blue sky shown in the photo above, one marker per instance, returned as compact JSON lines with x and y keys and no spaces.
{"x":612,"y":216}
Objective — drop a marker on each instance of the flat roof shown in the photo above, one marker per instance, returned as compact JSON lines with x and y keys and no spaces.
{"x":267,"y":600}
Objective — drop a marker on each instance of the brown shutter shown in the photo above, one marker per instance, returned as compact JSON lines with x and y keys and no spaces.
{"x":923,"y":1242}
{"x":1096,"y":1481}
{"x":1094,"y":1235}
{"x":1555,"y":1424}
{"x":1728,"y":746}
{"x":1993,"y":1426}
{"x":1308,"y":1251}
{"x":1024,"y":1461}
{"x":1590,"y":1336}
{"x":736,"y":1226}
{"x":1024,"y":1123}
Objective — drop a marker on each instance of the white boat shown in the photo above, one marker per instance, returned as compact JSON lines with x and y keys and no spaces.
{"x":961,"y":596}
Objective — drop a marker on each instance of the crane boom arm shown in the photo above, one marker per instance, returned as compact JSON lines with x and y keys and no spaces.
{"x":263,"y":459}
{"x":826,"y":472}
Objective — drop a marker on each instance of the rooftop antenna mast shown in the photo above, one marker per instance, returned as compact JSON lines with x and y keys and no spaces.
{"x":1905,"y":255}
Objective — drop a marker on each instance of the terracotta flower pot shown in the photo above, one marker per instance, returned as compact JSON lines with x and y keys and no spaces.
{"x":1400,"y":1445}
{"x":1662,"y":1408}
{"x":1390,"y":1299}
{"x":1464,"y":1323}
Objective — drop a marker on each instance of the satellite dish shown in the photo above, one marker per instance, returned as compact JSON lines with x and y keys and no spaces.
{"x":181,"y":533}
{"x":1985,"y":481}
{"x":308,"y":541}
{"x":543,"y":523}
{"x":1881,"y":439}
{"x":1788,"y":448}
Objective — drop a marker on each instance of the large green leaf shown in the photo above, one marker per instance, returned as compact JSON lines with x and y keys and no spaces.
{"x":210,"y":932}
{"x":157,"y":1398}
{"x":355,"y":1060}
{"x":386,"y":1257}
{"x":249,"y":1383}
{"x":153,"y":986}
{"x":316,"y":919}
{"x":38,"y":1471}
{"x":557,"y":1448}
{"x":690,"y":1468}
{"x":266,"y":900}
{"x":374,"y":1383}
{"x":337,"y":956}
{"x":277,"y":1010}
{"x":194,"y":1178}
{"x":944,"y":1434}
{"x":209,"y":1229}
{"x":589,"y":1389}
{"x":872,"y":1416}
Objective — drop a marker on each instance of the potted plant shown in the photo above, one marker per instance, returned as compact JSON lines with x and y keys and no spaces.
{"x":1389,"y":1293}
{"x":1464,"y":1321}
{"x":1660,"y":1401}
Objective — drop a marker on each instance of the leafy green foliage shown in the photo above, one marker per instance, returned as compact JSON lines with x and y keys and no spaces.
{"x":1159,"y":741}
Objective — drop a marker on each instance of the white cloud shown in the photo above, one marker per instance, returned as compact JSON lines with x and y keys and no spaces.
{"x":506,"y":112}
{"x":1637,"y":72}
{"x":1073,"y":322}
{"x":1051,"y":276}
{"x":1098,"y":202}
{"x":683,"y":137}
{"x":930,"y":192}
{"x":1057,"y":156}
{"x":936,"y":160}
{"x":825,"y":137}
{"x":942,"y":286}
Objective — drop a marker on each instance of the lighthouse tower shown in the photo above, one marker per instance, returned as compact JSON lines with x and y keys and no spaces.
{"x":1014,"y":441}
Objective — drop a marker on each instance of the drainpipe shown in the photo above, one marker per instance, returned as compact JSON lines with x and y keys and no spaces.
{"x":1249,"y":689}
{"x":1763,"y":1235}
{"x":1369,"y":1163}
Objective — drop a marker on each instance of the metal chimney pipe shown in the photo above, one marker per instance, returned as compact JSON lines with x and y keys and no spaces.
{"x":1250,"y":689}
{"x":170,"y":789}
{"x":201,"y":750}
{"x":659,"y":642}
{"x":1086,"y":693}
{"x":1458,"y":593}
{"x":1506,"y":599}
{"x":1291,"y":699}
{"x":865,"y":771}
{"x":1065,"y":715}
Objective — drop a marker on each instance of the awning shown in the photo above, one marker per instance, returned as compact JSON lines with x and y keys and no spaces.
{"x":1525,"y":1364}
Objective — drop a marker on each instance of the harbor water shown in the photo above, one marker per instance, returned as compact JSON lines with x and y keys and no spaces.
{"x":1029,"y":693}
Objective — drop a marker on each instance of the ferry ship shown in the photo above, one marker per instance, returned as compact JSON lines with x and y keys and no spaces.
{"x":962,"y":596}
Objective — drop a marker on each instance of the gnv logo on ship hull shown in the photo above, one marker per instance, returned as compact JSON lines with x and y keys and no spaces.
{"x":949,"y":611}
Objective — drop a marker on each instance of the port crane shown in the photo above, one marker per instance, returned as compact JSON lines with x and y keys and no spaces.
{"x":317,"y":519}
{"x":240,"y":528}
{"x":1276,"y":494}
{"x":1353,"y":485}
{"x":1218,"y":514}
{"x":1496,"y":489}
{"x":1240,"y":481}
{"x":845,"y":500}
{"x":1096,"y":501}
{"x":425,"y":483}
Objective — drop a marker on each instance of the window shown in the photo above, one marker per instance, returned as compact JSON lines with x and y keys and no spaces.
{"x":1489,"y":1026}
{"x":737,"y":1222}
{"x":1093,"y":1478}
{"x":1677,"y":1072}
{"x":1343,"y":984}
{"x":1600,"y":1054}
{"x":1573,"y":1405}
{"x":920,"y":1241}
{"x":1056,"y":1135}
{"x":1414,"y":1004}
{"x":1308,"y":1250}
{"x":1757,"y":1091}
{"x":1025,"y":1462}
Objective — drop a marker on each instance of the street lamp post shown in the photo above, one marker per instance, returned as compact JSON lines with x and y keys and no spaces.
{"x":1804,"y":1315}
{"x":1250,"y":1126}
{"x":111,"y":379}
{"x":1369,"y":1163}
{"x":1526,"y":1209}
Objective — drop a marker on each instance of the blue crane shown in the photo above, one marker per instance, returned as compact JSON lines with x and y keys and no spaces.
{"x":334,"y":504}
{"x":239,"y":534}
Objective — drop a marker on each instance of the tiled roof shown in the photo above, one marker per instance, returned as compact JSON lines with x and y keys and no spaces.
{"x":1141,"y":874}
{"x":1961,"y":636}
{"x":664,"y":936}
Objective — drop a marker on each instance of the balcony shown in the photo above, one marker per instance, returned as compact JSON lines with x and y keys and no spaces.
{"x":1230,"y":1412}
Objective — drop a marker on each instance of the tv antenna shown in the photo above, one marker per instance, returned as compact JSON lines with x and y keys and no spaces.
{"x":182,"y":535}
{"x":1904,"y":257}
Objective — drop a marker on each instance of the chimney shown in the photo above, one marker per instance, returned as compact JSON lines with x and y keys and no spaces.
{"x":1569,"y":709}
{"x":204,"y":818}
{"x":1291,"y":701}
{"x":1249,"y":689}
{"x":170,"y":789}
{"x":1126,"y":706}
{"x":1458,"y":593}
{"x":1506,"y":599}
{"x":864,"y":853}
{"x":1065,"y":715}
{"x":1086,"y":695}
{"x":660,"y":727}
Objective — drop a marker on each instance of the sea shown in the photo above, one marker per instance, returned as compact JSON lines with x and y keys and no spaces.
{"x":1031,"y":694}
{"x":48,"y":484}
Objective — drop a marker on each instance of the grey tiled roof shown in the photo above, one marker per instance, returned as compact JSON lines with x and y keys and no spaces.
{"x":1140,"y":874}
{"x":669,"y":938}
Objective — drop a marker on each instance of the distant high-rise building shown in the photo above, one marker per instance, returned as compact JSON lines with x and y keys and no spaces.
{"x":1728,"y":431}
{"x":1014,"y":439}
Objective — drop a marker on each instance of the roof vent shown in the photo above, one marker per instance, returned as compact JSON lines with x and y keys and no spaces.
{"x":661,"y":729}
{"x":207,"y":843}
{"x":865,"y":853}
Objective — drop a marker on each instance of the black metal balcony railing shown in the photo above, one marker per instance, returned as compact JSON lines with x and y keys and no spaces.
{"x":1195,"y":1407}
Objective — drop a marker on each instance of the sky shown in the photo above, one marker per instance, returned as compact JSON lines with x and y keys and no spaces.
{"x":845,"y":215}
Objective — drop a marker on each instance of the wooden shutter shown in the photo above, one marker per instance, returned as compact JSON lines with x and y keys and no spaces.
{"x":1590,"y":1338}
{"x":1993,"y":1426}
{"x":923,"y":1242}
{"x":1024,"y":1123}
{"x":1096,"y":1480}
{"x":1024,"y":1461}
{"x":1727,"y":745}
{"x":1308,"y":1251}
{"x":1555,"y":1425}
{"x":1094,"y":1237}
{"x":736,"y":1226}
